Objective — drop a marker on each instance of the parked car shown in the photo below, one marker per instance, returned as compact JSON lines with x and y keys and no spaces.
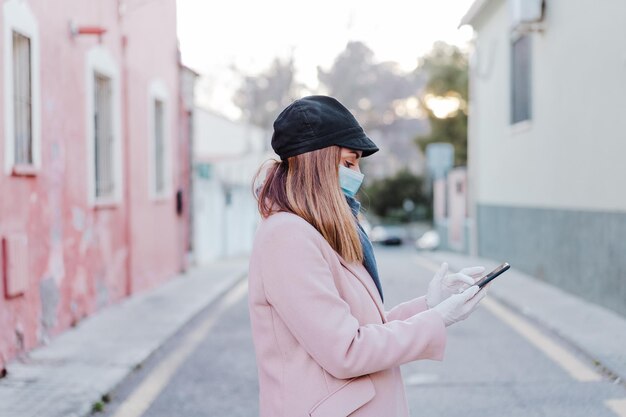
{"x":387,"y":235}
{"x":428,"y":241}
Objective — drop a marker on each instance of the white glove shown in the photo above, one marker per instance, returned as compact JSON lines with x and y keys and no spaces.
{"x":459,"y":306}
{"x":443,"y":286}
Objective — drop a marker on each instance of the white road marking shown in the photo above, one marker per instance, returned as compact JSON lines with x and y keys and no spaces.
{"x":617,"y":406}
{"x":143,"y":396}
{"x":421,"y":379}
{"x":570,"y":363}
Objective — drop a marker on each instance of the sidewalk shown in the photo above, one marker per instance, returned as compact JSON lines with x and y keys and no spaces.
{"x":598,"y":333}
{"x":65,"y":378}
{"x":73,"y":372}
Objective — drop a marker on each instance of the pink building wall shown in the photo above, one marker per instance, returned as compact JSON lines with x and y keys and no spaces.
{"x":80,"y":257}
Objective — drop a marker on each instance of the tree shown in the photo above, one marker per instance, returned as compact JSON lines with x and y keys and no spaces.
{"x":388,"y":197}
{"x":384,"y":100}
{"x":350,"y":78}
{"x":262,"y":96}
{"x":370,"y":89}
{"x":445,"y":68}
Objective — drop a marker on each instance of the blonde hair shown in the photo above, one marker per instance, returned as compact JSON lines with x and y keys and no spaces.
{"x":308,"y":185}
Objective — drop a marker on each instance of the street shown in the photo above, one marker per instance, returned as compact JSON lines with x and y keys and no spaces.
{"x":496,"y":364}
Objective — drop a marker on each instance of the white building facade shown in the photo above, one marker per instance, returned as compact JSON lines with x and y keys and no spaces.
{"x":227,"y":154}
{"x":547,"y":139}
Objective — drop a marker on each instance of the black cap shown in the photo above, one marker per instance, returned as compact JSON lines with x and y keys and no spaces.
{"x":316,"y":122}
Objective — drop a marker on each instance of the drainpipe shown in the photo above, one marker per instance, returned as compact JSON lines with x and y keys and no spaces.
{"x":127,"y":149}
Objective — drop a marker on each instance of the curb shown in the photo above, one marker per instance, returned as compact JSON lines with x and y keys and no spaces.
{"x":597,"y":333}
{"x":82,"y":366}
{"x":210,"y":302}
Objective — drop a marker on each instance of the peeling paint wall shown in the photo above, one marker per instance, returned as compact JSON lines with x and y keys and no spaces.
{"x":83,"y":258}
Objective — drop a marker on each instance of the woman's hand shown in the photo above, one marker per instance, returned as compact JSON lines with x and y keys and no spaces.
{"x":442,"y":286}
{"x":459,"y":306}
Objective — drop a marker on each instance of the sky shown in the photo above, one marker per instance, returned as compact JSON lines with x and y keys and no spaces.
{"x":216,"y":37}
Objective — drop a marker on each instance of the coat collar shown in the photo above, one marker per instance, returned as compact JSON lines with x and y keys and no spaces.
{"x":362,"y":275}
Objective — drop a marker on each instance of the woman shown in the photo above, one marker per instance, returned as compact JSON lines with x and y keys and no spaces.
{"x":325,"y":345}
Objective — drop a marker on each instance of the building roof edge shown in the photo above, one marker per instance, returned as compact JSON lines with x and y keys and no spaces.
{"x":475,"y":10}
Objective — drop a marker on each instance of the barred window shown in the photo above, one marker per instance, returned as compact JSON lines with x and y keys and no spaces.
{"x":159,"y":147}
{"x":521,"y":87}
{"x":22,"y":100}
{"x":103,"y":137}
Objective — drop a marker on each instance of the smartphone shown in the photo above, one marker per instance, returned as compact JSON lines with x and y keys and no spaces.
{"x":493,"y":275}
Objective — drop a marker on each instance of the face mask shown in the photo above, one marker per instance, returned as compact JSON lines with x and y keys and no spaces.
{"x":349,"y":180}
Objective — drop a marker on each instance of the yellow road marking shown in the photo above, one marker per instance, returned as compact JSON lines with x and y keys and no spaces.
{"x":570,"y":363}
{"x":617,"y":406}
{"x":143,"y":396}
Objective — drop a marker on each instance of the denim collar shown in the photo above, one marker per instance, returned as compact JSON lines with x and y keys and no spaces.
{"x":354,"y":204}
{"x":369,"y":260}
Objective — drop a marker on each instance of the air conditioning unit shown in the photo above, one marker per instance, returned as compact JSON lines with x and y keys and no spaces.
{"x":526,"y":12}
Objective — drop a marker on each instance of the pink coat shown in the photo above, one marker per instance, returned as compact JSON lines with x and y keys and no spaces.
{"x":325,"y":346}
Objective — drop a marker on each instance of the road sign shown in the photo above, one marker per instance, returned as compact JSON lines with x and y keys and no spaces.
{"x":439,"y":159}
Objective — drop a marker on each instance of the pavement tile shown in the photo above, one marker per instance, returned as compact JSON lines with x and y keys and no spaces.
{"x":66,"y":377}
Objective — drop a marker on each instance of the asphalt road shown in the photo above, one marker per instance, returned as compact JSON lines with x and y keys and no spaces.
{"x":493,"y":367}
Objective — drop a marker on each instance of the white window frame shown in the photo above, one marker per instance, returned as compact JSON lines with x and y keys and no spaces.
{"x":101,"y":61}
{"x":17,"y":17}
{"x":524,"y":124}
{"x":158,"y":91}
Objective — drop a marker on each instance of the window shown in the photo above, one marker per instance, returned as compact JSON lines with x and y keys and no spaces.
{"x":521,"y":109}
{"x":160,"y":165}
{"x":22,"y":101}
{"x":20,"y":62}
{"x":159,"y":147}
{"x":103,"y":134}
{"x":103,"y":137}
